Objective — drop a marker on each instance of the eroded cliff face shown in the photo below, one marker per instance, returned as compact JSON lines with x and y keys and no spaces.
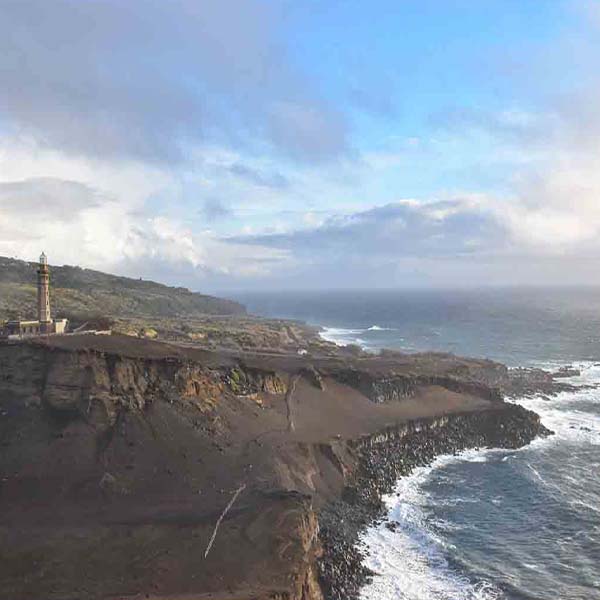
{"x":100,"y":385}
{"x":118,"y":456}
{"x":393,"y":388}
{"x":127,"y":462}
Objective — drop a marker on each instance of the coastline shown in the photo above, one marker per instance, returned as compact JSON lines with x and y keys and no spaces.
{"x":403,"y":544}
{"x":384,"y":459}
{"x":311,"y":438}
{"x":344,"y":568}
{"x":407,"y":549}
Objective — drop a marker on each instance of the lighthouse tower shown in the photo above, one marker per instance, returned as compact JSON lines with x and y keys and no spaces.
{"x":43,"y":285}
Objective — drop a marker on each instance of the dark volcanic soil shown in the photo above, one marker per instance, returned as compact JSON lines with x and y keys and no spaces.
{"x":120,"y":456}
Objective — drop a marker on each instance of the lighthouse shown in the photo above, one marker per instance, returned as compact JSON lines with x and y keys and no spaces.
{"x":45,"y":325}
{"x":43,"y":285}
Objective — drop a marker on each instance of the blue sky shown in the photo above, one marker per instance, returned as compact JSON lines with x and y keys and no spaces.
{"x":247,"y":144}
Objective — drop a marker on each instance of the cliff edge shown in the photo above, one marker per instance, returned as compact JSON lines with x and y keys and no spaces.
{"x":137,"y":469}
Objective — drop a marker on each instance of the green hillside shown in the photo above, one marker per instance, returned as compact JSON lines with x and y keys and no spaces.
{"x":78,"y":293}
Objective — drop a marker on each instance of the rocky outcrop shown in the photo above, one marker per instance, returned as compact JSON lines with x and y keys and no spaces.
{"x":128,"y":451}
{"x":245,"y":381}
{"x":306,"y":583}
{"x":381,"y":459}
{"x":79,"y":383}
{"x":311,"y":374}
{"x":381,"y":388}
{"x":22,"y":373}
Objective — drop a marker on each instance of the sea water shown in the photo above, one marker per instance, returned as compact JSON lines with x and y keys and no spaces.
{"x":491,"y":524}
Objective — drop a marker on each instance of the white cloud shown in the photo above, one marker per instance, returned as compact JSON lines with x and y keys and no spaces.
{"x":123,"y":142}
{"x":155,"y":80}
{"x":104,"y":233}
{"x":557,"y":209}
{"x":404,"y":228}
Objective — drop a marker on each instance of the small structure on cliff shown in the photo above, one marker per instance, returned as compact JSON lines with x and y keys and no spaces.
{"x":44,"y":325}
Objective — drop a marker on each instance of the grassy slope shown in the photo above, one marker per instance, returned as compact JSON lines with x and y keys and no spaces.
{"x":148,"y":309}
{"x":80,"y":293}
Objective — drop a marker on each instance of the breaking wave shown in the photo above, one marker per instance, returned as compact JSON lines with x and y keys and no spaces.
{"x":431,"y":551}
{"x":343,"y":336}
{"x":411,"y":562}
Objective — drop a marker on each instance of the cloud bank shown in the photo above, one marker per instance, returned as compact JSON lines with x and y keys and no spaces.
{"x":187,"y":141}
{"x":83,"y":227}
{"x":148,"y":80}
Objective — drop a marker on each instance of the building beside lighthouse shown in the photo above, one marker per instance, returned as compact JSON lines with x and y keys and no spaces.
{"x":44,"y":325}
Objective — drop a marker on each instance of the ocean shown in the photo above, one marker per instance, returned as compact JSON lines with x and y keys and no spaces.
{"x":490,"y":524}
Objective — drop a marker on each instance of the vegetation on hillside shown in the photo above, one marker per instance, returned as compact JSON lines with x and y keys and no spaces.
{"x":146,"y":309}
{"x":81,"y":294}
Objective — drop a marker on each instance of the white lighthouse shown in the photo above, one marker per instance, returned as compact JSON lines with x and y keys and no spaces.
{"x":44,"y":325}
{"x":43,"y":285}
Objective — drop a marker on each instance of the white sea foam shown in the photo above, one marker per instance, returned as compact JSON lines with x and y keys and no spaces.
{"x":411,"y":562}
{"x":566,"y":413}
{"x":341,"y":336}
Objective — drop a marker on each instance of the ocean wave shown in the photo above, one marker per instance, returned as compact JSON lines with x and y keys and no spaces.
{"x":340,"y":331}
{"x":411,"y":562}
{"x":342,"y":337}
{"x":378,"y":328}
{"x":587,"y":505}
{"x":572,"y":415}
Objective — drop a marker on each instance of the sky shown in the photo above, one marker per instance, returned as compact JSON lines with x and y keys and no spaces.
{"x":276,"y":144}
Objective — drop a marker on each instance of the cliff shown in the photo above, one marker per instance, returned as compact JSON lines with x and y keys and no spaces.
{"x":121,"y":460}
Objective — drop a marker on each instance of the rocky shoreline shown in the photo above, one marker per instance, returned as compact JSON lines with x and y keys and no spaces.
{"x":125,"y":447}
{"x":383,"y":459}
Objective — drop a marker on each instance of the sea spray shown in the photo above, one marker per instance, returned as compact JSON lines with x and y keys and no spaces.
{"x":429,"y":544}
{"x":391,"y":454}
